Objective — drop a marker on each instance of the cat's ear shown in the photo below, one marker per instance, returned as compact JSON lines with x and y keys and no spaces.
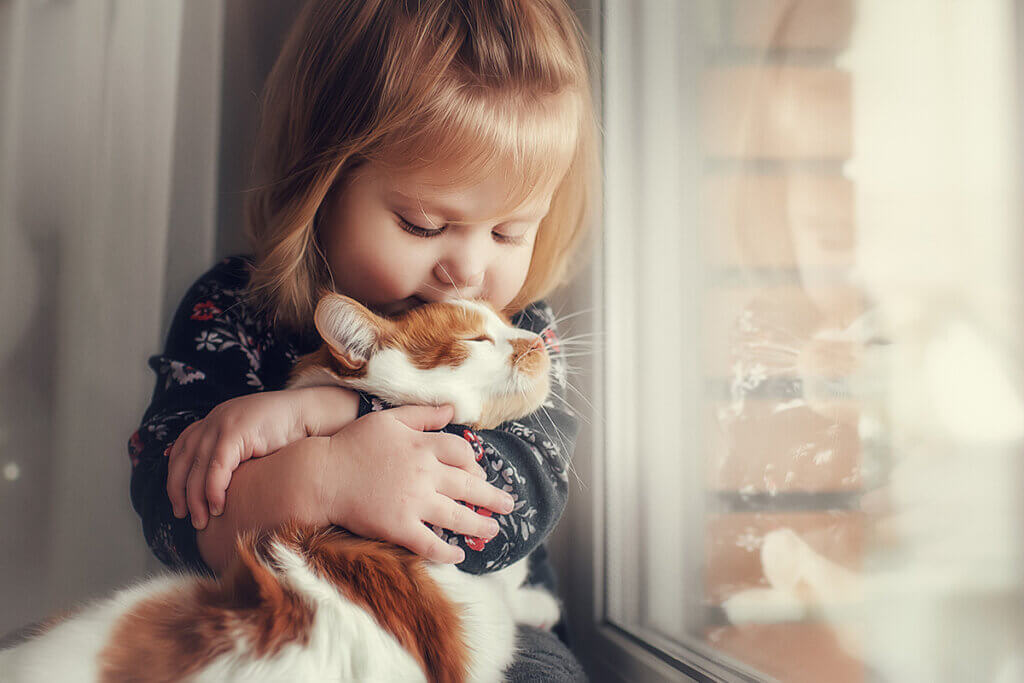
{"x":351,"y":331}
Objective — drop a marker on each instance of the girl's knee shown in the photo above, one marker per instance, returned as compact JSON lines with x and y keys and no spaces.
{"x":541,"y":656}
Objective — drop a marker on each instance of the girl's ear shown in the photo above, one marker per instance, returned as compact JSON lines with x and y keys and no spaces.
{"x":351,"y":331}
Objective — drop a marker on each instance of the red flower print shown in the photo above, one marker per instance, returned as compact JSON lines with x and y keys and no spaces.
{"x":475,"y":543}
{"x":472,"y":541}
{"x":551,"y":340}
{"x":475,"y":441}
{"x":204,"y":310}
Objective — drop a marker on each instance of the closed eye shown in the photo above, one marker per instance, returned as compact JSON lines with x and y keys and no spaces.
{"x":414,"y":229}
{"x":482,"y":338}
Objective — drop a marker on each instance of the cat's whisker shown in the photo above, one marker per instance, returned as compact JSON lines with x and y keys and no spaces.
{"x":578,"y":349}
{"x":436,"y":289}
{"x":569,"y":408}
{"x":583,"y":398}
{"x":564,"y":442}
{"x":582,"y":335}
{"x":451,"y":280}
{"x":581,"y":343}
{"x":557,"y":322}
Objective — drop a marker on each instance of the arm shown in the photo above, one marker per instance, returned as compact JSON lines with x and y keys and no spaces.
{"x":528,"y":458}
{"x":265,"y":493}
{"x":205,"y":456}
{"x":215,"y":351}
{"x":394,"y":473}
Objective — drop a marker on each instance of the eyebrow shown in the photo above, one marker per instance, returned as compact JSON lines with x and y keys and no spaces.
{"x":452,"y":215}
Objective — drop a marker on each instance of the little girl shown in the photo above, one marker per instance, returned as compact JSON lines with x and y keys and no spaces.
{"x":409,"y":151}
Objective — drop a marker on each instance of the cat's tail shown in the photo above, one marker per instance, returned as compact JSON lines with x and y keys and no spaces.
{"x":388,"y":582}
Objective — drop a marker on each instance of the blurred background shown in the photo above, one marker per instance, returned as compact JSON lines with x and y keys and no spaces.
{"x":804,"y":419}
{"x":125,"y":137}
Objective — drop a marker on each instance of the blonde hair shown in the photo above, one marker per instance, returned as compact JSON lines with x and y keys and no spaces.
{"x":491,"y":85}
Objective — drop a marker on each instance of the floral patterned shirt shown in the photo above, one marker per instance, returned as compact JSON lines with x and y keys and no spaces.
{"x":219,"y":348}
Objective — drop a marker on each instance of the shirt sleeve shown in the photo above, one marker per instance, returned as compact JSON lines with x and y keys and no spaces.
{"x":529,"y":458}
{"x":212,"y":354}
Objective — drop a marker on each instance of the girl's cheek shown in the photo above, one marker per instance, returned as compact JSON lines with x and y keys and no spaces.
{"x":395,"y":272}
{"x":507,"y":280}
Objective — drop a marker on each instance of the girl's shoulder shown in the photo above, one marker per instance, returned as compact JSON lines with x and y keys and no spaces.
{"x":226,"y":283}
{"x":231,"y":272}
{"x":220,"y":296}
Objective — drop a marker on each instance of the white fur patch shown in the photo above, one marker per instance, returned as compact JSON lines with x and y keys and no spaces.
{"x":486,"y":374}
{"x":344,"y":325}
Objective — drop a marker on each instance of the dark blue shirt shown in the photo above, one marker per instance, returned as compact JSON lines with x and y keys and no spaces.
{"x":218,"y":348}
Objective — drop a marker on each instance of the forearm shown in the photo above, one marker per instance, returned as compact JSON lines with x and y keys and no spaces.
{"x":326,"y":409}
{"x":264,"y":494}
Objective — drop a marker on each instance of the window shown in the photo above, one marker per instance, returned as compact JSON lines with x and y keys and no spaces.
{"x":807,"y":447}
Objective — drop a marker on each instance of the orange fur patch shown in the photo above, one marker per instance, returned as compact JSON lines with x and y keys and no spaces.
{"x":392,"y":584}
{"x":529,"y":356}
{"x":325,"y":359}
{"x":172,"y":636}
{"x":531,"y":360}
{"x":432,"y":335}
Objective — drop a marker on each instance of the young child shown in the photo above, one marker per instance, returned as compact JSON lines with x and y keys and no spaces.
{"x":408,"y":152}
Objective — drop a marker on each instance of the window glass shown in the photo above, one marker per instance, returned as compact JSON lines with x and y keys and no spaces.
{"x":814,"y":415}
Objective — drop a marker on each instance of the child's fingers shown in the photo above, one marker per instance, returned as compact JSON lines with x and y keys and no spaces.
{"x":458,"y":453}
{"x":429,"y":546}
{"x":226,"y":459}
{"x":423,"y":418}
{"x":178,"y":466}
{"x":195,"y":492}
{"x":448,"y":514}
{"x":457,"y":485}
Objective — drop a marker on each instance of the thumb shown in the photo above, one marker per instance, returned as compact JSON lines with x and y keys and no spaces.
{"x":424,"y":418}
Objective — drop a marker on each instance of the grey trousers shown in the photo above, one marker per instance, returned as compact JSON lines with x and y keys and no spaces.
{"x":542,"y":658}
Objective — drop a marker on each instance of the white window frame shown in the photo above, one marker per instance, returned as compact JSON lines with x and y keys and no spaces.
{"x":625,"y":37}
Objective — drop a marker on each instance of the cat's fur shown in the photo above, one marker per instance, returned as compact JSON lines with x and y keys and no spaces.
{"x":319,"y":604}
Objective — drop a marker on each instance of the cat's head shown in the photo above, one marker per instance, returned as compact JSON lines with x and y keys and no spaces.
{"x":459,"y":352}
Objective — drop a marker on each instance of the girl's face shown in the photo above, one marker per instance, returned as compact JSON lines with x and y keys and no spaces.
{"x":394,"y":242}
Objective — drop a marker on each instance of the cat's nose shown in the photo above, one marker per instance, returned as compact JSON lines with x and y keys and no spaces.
{"x":523,"y":356}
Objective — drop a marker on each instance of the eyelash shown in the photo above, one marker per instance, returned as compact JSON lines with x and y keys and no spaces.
{"x":512,"y":240}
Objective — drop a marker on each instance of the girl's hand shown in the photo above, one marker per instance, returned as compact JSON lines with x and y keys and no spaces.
{"x":386,"y":475}
{"x":208,"y":451}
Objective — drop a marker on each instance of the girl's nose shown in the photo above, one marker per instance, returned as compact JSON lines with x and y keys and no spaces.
{"x":461,"y":269}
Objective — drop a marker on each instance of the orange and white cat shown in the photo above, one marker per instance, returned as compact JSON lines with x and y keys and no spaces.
{"x":307,"y":604}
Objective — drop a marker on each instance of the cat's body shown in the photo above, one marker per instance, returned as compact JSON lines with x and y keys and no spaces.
{"x":319,"y":604}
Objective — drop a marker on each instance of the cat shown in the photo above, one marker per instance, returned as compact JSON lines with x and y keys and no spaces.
{"x":302,"y":603}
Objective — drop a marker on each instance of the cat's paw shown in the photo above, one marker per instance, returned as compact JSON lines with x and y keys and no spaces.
{"x":535,"y":607}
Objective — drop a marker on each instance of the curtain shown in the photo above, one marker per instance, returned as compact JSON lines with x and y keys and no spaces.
{"x":109,"y":120}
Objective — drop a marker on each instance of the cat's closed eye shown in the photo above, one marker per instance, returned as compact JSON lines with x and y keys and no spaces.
{"x":482,"y":338}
